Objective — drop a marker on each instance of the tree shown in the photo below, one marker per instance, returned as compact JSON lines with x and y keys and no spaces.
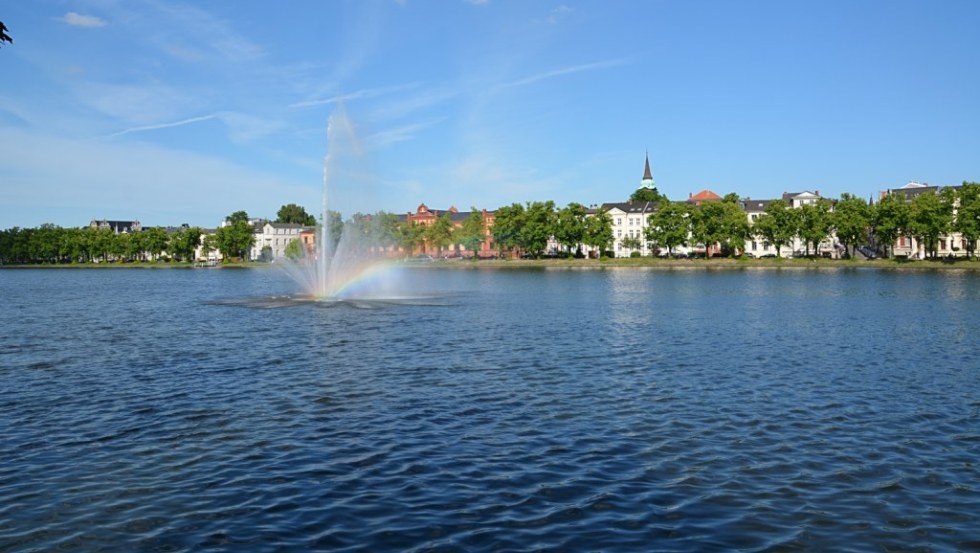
{"x":294,"y":214}
{"x":890,"y":218}
{"x":851,"y":218}
{"x":539,"y":226}
{"x":411,"y":235}
{"x":598,"y":231}
{"x":507,"y":225}
{"x":707,"y":224}
{"x":209,"y":244}
{"x":235,"y":238}
{"x":440,"y":233}
{"x":385,"y":228}
{"x":183,"y":243}
{"x":734,"y":225}
{"x":931,"y":216}
{"x":670,"y":225}
{"x":632,"y":243}
{"x":644,"y":194}
{"x":570,"y":225}
{"x":815,"y":224}
{"x":967,"y":221}
{"x":295,"y":250}
{"x":777,"y":225}
{"x":472,"y":232}
{"x":4,"y":37}
{"x":154,"y":241}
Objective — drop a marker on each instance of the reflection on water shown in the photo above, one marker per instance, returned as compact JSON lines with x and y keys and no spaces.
{"x":554,"y":410}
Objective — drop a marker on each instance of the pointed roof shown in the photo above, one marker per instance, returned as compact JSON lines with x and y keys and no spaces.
{"x":703,"y":196}
{"x":646,"y":171}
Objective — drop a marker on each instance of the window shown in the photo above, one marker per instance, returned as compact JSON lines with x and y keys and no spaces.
{"x":619,"y":233}
{"x":755,"y":245}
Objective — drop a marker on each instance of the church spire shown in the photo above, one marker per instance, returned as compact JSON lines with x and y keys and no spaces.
{"x":647,"y":181}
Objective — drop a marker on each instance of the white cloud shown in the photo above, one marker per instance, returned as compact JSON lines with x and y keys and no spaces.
{"x":357,"y":95}
{"x":565,"y":71}
{"x":400,"y":134}
{"x":79,"y":20}
{"x":163,"y":125}
{"x":478,"y":2}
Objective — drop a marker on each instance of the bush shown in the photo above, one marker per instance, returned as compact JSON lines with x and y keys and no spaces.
{"x":635,"y":254}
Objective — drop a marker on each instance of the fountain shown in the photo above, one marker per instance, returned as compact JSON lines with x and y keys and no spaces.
{"x":350,"y":269}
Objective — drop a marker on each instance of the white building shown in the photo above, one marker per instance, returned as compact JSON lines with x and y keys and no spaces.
{"x":757,"y":245}
{"x":275,"y":236}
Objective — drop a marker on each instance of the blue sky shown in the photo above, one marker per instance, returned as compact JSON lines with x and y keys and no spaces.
{"x":172,"y":112}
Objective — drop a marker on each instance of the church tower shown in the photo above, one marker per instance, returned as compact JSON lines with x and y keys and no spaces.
{"x":647,"y":181}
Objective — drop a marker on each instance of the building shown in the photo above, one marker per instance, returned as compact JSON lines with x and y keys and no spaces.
{"x":425,"y":217}
{"x":757,"y":246}
{"x":949,"y":245}
{"x":275,"y":237}
{"x":118,"y":227}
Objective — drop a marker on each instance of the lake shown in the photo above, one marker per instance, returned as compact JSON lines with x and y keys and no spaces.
{"x":554,"y":410}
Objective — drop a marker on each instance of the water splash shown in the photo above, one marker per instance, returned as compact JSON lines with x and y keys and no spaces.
{"x":352,"y":266}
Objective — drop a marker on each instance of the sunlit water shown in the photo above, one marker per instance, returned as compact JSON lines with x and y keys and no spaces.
{"x":617,"y":410}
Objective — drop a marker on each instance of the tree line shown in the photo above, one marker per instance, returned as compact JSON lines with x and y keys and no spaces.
{"x":527,"y":228}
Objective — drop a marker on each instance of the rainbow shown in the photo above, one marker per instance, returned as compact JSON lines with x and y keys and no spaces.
{"x":363,"y":281}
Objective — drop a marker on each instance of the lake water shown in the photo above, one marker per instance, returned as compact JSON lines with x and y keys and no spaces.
{"x":565,"y":410}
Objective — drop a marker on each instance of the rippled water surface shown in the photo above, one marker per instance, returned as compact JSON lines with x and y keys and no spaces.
{"x":615,"y":410}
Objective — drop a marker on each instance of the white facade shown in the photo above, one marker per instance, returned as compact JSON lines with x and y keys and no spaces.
{"x":758,"y":246}
{"x":276,"y":236}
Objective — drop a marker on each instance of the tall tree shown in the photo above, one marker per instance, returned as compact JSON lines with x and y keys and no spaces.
{"x":507,"y":225}
{"x":815,"y":224}
{"x":931,"y":216}
{"x":539,"y":226}
{"x":411,"y":235}
{"x":294,"y":214}
{"x":670,"y":225}
{"x":570,"y":226}
{"x":184,"y":242}
{"x":852,"y":219}
{"x":440,"y":233}
{"x":644,"y":194}
{"x":890,"y":218}
{"x":472,"y":232}
{"x":777,"y":225}
{"x":598,"y":232}
{"x":154,"y":241}
{"x":235,"y":239}
{"x":967,"y":221}
{"x":707,"y":224}
{"x":734,"y":225}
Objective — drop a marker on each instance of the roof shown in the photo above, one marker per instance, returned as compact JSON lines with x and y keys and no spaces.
{"x":646,"y":171}
{"x":631,"y":207}
{"x":750,"y":205}
{"x":704,"y":195}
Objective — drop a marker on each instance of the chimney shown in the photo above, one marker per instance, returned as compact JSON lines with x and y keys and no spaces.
{"x":690,"y":195}
{"x":817,"y":192}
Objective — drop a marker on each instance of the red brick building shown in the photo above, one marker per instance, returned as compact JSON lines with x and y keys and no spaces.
{"x":425,"y":217}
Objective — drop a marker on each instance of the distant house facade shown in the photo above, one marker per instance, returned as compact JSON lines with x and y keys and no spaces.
{"x":118,"y":227}
{"x":275,"y":237}
{"x":425,"y":216}
{"x":758,"y":246}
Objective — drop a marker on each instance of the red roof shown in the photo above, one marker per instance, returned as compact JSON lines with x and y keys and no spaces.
{"x":704,"y":195}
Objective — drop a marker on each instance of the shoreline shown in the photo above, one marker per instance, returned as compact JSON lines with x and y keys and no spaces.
{"x":586,"y":264}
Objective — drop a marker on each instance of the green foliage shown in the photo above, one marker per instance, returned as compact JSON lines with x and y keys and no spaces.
{"x":931,"y":216}
{"x":777,"y":225}
{"x":235,"y":239}
{"x":815,"y":224}
{"x":852,"y":219}
{"x":294,"y":214}
{"x":440,"y":233}
{"x":644,"y":194}
{"x":4,"y":37}
{"x":967,"y":220}
{"x":295,"y":249}
{"x":183,"y":243}
{"x":472,"y":232}
{"x":598,"y":231}
{"x":890,"y":218}
{"x":508,"y":223}
{"x":633,"y":244}
{"x":670,"y":225}
{"x":265,"y":256}
{"x":570,"y":226}
{"x":411,"y":235}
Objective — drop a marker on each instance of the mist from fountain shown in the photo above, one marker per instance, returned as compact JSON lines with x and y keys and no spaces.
{"x":353,"y":266}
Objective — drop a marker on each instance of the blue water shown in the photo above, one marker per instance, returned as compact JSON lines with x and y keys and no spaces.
{"x":607,"y":410}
